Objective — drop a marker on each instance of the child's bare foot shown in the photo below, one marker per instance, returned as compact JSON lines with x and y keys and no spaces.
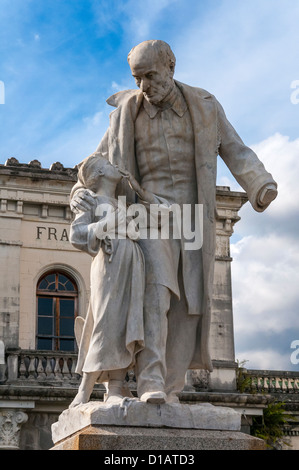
{"x":85,"y":389}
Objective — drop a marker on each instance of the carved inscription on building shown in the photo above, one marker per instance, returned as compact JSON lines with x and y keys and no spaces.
{"x":51,"y":233}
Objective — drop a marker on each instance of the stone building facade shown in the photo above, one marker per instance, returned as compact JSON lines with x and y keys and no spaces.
{"x":45,"y":284}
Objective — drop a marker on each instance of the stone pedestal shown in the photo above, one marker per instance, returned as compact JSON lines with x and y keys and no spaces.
{"x":134,"y":425}
{"x":135,"y":439}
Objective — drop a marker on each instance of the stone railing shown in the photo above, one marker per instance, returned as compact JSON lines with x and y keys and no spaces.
{"x":271,"y":381}
{"x":59,"y":367}
{"x":50,"y":366}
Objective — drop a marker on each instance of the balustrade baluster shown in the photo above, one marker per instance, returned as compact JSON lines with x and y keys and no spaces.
{"x":40,"y":369}
{"x":73,"y":367}
{"x":283,"y":384}
{"x":290,"y":384}
{"x":258,"y":384}
{"x":49,"y":369}
{"x":271,"y":384}
{"x":277,"y":384}
{"x":265,"y":384}
{"x":32,"y":368}
{"x":22,"y":368}
{"x":58,"y":368}
{"x":65,"y":369}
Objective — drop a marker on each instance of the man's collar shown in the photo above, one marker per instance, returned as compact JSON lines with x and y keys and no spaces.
{"x":175,"y":101}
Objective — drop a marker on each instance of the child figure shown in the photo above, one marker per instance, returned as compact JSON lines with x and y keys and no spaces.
{"x":112,"y":333}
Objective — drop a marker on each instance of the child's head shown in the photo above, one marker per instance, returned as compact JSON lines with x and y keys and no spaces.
{"x":91,"y":170}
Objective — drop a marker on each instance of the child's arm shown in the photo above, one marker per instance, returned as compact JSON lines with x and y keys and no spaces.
{"x":142,"y":193}
{"x":86,"y":234}
{"x":81,"y":231}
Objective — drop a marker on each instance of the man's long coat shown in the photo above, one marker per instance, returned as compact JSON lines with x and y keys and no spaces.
{"x":213,"y":136}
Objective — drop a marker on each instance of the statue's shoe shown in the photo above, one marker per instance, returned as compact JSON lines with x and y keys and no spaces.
{"x":153,"y":397}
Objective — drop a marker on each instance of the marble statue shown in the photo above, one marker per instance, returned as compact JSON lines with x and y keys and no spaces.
{"x":167,"y":136}
{"x":113,"y":332}
{"x":106,"y":352}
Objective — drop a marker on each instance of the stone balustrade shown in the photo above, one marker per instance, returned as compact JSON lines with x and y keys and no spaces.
{"x":271,"y":381}
{"x":32,"y":365}
{"x":42,"y":366}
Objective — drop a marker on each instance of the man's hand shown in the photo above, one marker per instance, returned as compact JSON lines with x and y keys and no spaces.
{"x":268,"y":194}
{"x":82,"y":201}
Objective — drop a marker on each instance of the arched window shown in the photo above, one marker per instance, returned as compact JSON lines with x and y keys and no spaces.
{"x":57,"y":296}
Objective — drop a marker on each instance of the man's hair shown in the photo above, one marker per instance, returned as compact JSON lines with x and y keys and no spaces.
{"x":87,"y":171}
{"x":161,"y":49}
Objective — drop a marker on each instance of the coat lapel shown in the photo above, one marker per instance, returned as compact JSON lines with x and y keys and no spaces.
{"x":121,"y":136}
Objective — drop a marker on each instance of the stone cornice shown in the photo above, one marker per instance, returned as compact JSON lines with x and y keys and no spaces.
{"x":34,"y":169}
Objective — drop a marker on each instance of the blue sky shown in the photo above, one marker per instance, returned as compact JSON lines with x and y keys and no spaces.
{"x":61,"y":59}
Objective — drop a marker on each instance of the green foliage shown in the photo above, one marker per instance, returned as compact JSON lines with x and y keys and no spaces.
{"x":270,"y":427}
{"x":243,"y":380}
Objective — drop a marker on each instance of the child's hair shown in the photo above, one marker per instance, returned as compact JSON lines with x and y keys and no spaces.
{"x":89,"y":172}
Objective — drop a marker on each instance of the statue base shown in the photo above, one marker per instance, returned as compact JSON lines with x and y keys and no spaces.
{"x":134,"y":425}
{"x":137,"y":439}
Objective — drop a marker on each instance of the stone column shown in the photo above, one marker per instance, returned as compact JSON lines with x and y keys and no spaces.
{"x":223,"y":377}
{"x":222,"y":332}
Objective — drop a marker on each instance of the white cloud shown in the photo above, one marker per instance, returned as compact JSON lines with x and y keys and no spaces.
{"x":144,"y":16}
{"x":124,"y":85}
{"x":265,"y":277}
{"x":238,"y":52}
{"x":265,"y":267}
{"x":266,"y":359}
{"x":94,"y":120}
{"x":281,"y":158}
{"x":137,"y":19}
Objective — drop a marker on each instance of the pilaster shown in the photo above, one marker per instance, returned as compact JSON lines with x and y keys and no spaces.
{"x":11,"y":421}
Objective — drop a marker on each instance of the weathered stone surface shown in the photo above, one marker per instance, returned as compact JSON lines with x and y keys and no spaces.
{"x":137,"y":439}
{"x":138,"y":414}
{"x":11,"y":421}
